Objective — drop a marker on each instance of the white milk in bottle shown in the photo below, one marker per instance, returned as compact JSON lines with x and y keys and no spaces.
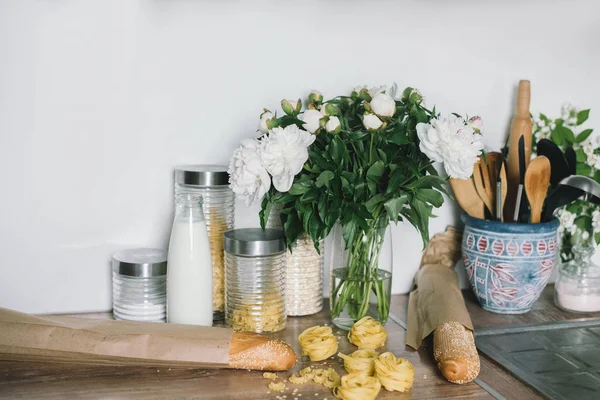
{"x":189,"y":265}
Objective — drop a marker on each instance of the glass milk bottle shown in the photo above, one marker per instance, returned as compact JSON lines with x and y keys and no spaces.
{"x":189,"y":276}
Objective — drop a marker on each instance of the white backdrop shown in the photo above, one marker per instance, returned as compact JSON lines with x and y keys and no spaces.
{"x":100,"y":98}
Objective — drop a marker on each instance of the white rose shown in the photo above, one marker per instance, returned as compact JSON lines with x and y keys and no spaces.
{"x":284,"y":153}
{"x":452,"y":142}
{"x":312,"y":120}
{"x":383,"y":105}
{"x":476,"y":123}
{"x":264,"y":118}
{"x":333,"y":124}
{"x":248,"y":178}
{"x":372,"y":122}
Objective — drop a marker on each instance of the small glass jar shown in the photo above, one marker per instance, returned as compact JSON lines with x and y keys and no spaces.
{"x":139,"y":285}
{"x":212,"y":183}
{"x":255,"y":280}
{"x":304,"y":272}
{"x":577,"y":288}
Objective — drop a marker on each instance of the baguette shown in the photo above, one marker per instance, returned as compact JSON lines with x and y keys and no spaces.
{"x":257,"y":352}
{"x":455,"y":352}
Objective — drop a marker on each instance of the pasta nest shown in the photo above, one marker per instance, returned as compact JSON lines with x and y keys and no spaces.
{"x":358,"y":386}
{"x":395,"y":374}
{"x":360,"y":361}
{"x":318,"y":343}
{"x":367,"y":334}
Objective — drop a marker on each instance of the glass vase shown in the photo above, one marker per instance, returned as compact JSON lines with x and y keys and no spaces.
{"x":360,"y":281}
{"x":577,"y":287}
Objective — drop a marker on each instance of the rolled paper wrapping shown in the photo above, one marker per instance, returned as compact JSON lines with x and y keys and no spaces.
{"x":436,"y":305}
{"x":367,"y":334}
{"x":357,"y":386}
{"x":318,"y":343}
{"x":395,"y":374}
{"x":360,"y":361}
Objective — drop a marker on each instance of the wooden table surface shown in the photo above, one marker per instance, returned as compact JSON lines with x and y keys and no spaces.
{"x":24,"y":380}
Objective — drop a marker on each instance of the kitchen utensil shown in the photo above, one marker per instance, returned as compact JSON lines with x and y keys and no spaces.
{"x":481,"y":179}
{"x":520,"y":126}
{"x":466,"y":195}
{"x":501,"y":192}
{"x":522,"y":168}
{"x":558,"y":162}
{"x":537,"y":180}
{"x":571,"y":158}
{"x":561,"y":196}
{"x":588,"y":185}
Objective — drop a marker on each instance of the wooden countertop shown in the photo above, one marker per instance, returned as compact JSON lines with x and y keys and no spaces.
{"x":26,"y":380}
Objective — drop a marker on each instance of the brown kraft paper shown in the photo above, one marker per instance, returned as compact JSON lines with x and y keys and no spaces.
{"x":436,"y":297}
{"x":92,"y":341}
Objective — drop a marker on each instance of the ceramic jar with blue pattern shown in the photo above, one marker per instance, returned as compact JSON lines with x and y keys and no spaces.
{"x":508,"y":265}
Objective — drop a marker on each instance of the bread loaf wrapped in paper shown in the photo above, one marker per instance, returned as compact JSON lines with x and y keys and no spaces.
{"x":95,"y":341}
{"x":436,"y":305}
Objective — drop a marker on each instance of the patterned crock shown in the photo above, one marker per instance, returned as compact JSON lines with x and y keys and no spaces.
{"x":508,"y":265}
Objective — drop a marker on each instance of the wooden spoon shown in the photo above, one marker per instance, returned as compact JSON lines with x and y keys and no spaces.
{"x":467,"y":197}
{"x":537,"y":181}
{"x":483,"y":186}
{"x":504,"y":189}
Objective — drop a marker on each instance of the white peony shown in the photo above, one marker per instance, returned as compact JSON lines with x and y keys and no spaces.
{"x":265,"y":117}
{"x":284,"y":152}
{"x":312,"y":120}
{"x":248,"y":179}
{"x":374,"y":91}
{"x":476,"y":123}
{"x":372,"y":122}
{"x":315,"y":96}
{"x":452,"y":142}
{"x":358,"y":89}
{"x":333,"y":124}
{"x":383,"y":105}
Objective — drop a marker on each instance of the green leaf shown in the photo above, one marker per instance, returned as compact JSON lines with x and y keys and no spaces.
{"x":568,"y":135}
{"x":558,"y":136}
{"x":394,"y":206}
{"x":396,"y":178}
{"x":337,"y":151}
{"x":356,"y":136}
{"x":583,"y":135}
{"x":265,"y":210}
{"x":349,"y":229}
{"x":584,"y":169}
{"x":300,"y":187}
{"x":306,"y":218}
{"x":382,"y":155}
{"x":430,"y":196}
{"x":374,"y":175}
{"x":581,"y":157}
{"x":309,"y":196}
{"x":324,"y":178}
{"x":430,"y":181}
{"x":374,"y":201}
{"x":399,"y":138}
{"x":597,"y":237}
{"x":582,"y":116}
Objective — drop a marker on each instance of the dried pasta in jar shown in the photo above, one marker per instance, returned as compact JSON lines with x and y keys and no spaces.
{"x":395,"y":374}
{"x":367,"y":334}
{"x":318,"y":343}
{"x":360,"y":361}
{"x":357,"y":386}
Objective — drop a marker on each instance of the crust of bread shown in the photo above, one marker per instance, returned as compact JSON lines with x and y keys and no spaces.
{"x":257,"y":352}
{"x":455,"y":352}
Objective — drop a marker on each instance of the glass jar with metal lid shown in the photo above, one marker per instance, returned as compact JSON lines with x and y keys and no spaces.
{"x":255,"y":280}
{"x":140,"y":285}
{"x":212,"y":183}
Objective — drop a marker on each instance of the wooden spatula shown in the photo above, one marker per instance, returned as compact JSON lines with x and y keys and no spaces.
{"x":467,"y":197}
{"x":537,"y":181}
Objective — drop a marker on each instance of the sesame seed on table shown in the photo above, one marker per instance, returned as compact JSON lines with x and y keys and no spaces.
{"x":26,"y":380}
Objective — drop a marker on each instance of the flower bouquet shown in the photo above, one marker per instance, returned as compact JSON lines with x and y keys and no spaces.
{"x":362,"y":160}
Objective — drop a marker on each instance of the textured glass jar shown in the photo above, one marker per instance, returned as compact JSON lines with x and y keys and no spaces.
{"x":577,"y":288}
{"x":304,"y":272}
{"x":255,"y":280}
{"x":212,"y":183}
{"x":139,"y":285}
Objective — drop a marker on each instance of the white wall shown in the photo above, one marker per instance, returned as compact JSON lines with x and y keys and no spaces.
{"x":100,"y":98}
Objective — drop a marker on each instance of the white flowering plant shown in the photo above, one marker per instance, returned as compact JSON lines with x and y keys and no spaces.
{"x":579,"y":220}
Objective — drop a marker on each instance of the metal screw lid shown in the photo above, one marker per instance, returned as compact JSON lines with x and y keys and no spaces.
{"x":140,"y":263}
{"x":254,"y":242}
{"x":202,"y":175}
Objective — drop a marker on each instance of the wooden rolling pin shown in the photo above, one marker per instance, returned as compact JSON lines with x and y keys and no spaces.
{"x":520,"y":126}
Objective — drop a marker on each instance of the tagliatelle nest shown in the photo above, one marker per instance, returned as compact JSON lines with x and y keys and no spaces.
{"x":395,"y":374}
{"x":357,"y":386}
{"x":360,"y":361}
{"x":367,"y":334}
{"x":318,"y":343}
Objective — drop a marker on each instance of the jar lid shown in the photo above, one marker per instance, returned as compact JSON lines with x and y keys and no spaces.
{"x":202,"y":175}
{"x":254,"y":242}
{"x":140,"y":263}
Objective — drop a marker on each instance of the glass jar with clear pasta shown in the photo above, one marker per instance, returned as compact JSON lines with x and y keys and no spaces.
{"x":255,"y":280}
{"x":212,"y":183}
